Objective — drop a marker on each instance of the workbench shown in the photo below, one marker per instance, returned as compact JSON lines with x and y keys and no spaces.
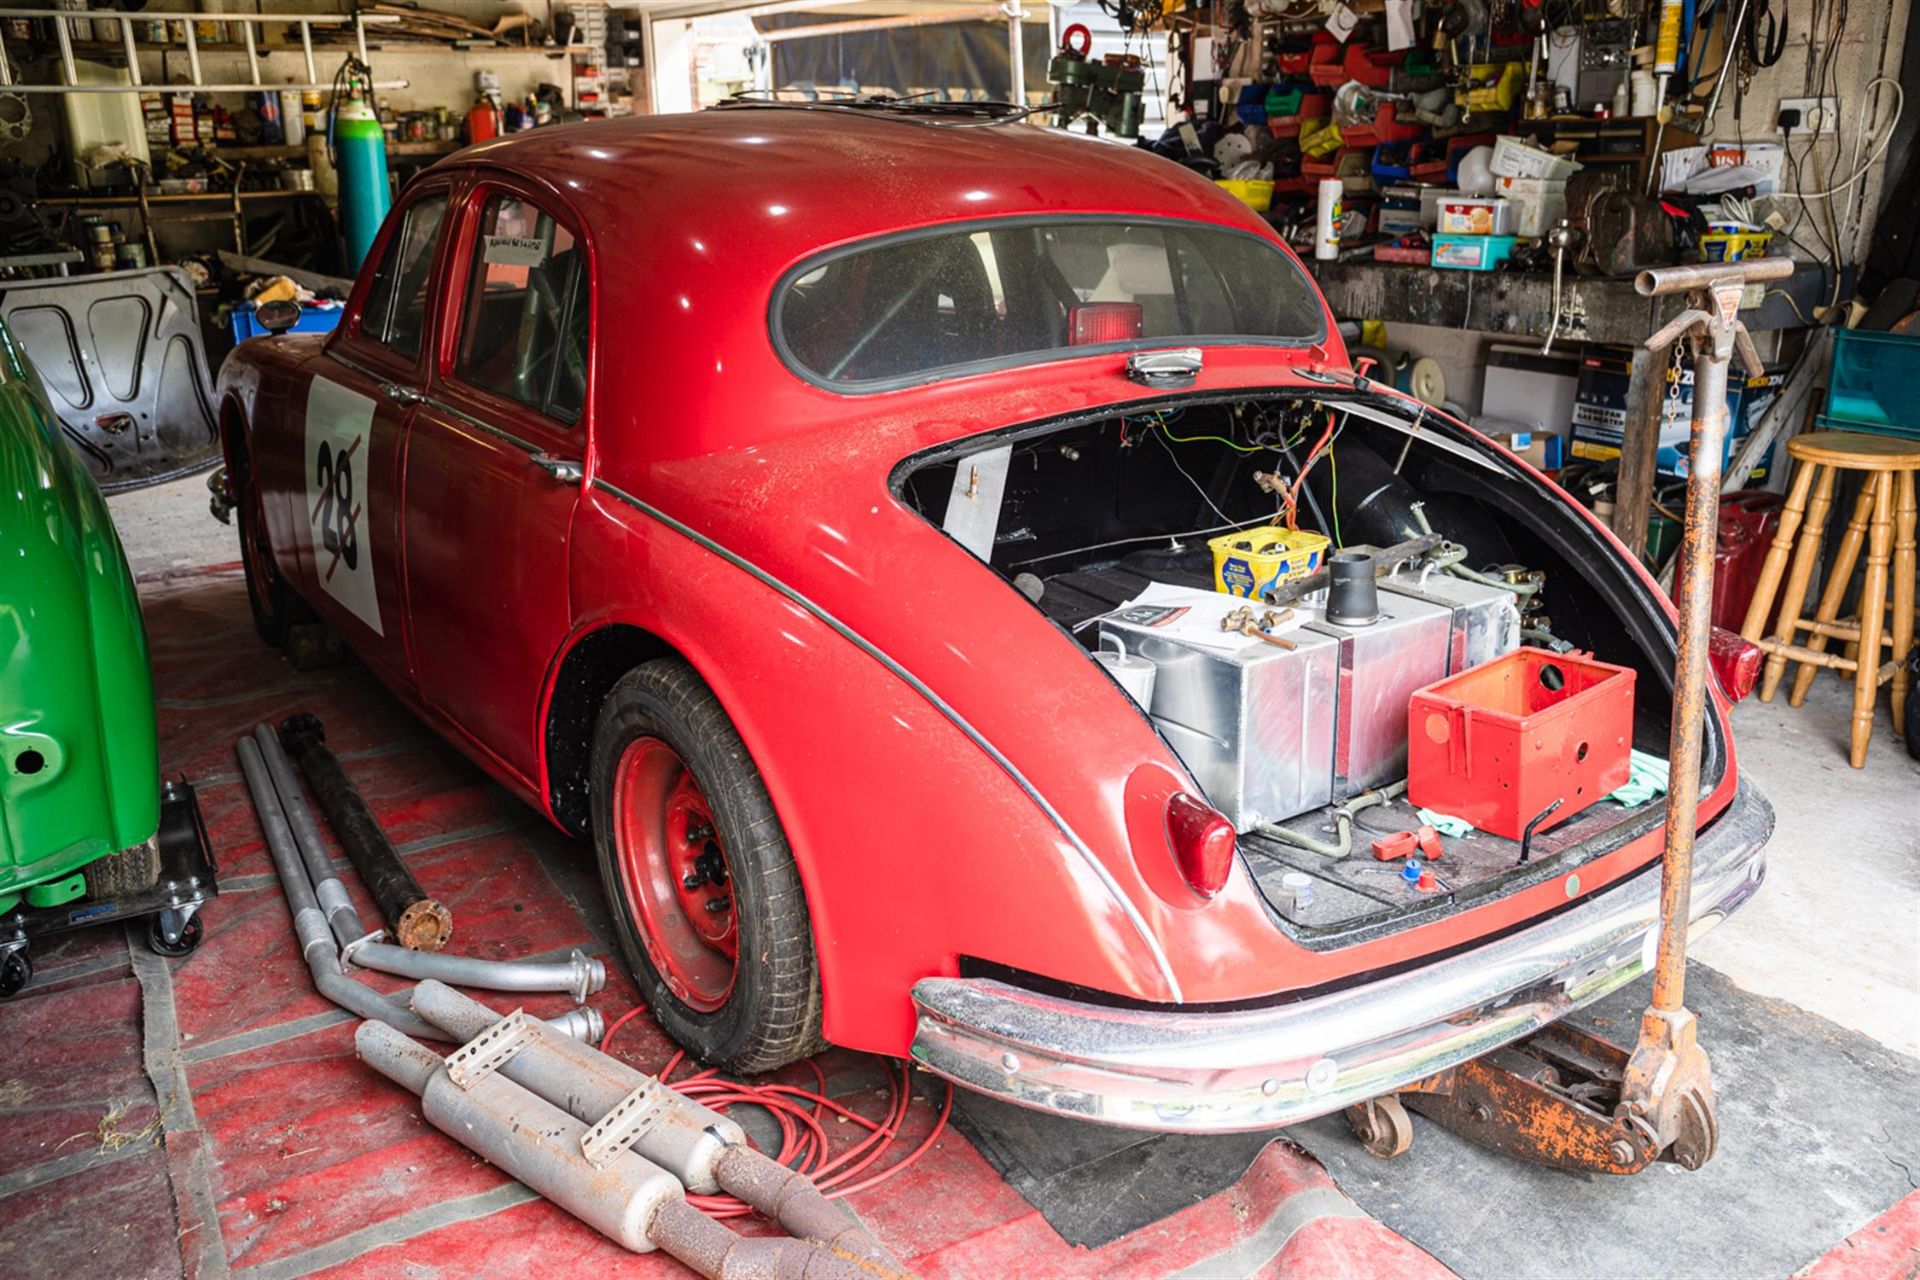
{"x":1593,"y":309}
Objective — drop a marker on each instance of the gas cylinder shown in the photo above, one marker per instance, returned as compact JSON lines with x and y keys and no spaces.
{"x":360,"y":156}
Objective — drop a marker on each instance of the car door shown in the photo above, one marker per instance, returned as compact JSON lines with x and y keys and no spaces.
{"x":352,"y":439}
{"x":494,"y":464}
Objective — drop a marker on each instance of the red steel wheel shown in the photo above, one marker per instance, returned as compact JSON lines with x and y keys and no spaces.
{"x":675,"y":874}
{"x":706,"y":898}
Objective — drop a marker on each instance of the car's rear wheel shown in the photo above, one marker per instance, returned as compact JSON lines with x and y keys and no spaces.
{"x":706,"y":899}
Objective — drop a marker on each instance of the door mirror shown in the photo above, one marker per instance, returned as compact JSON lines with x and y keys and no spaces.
{"x":277,"y":317}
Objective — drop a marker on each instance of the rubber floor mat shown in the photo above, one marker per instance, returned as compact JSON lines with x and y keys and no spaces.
{"x":1092,"y":1183}
{"x":1819,"y":1134}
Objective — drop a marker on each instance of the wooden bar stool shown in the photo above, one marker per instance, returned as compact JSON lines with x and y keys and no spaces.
{"x":1883,"y":520}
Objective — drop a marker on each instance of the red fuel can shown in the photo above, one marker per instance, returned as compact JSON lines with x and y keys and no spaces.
{"x":1500,"y":742}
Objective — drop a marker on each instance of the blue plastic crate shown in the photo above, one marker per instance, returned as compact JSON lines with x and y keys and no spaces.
{"x":1871,"y":386}
{"x":312,"y":320}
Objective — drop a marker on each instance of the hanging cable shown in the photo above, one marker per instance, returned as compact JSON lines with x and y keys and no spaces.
{"x":1867,"y":128}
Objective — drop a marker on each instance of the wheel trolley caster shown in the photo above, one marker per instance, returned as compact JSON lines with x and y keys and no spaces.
{"x":169,"y":908}
{"x":174,"y":933}
{"x":16,"y":969}
{"x":1383,"y":1126}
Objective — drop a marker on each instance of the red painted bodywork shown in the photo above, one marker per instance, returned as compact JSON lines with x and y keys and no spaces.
{"x":914,"y":846}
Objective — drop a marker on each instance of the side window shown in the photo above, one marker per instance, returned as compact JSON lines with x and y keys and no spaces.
{"x":396,"y":308}
{"x":523,"y":334}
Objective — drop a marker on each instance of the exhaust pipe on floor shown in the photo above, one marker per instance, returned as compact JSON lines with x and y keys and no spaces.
{"x":579,"y":975}
{"x":310,"y":922}
{"x":701,"y":1147}
{"x":526,"y":1136}
{"x":626,"y":1197}
{"x":418,"y":922}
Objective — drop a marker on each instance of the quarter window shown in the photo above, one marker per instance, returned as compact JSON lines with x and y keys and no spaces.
{"x":524,"y":331}
{"x":396,"y":309}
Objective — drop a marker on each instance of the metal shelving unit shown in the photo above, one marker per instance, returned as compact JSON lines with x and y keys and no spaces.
{"x":129,"y":47}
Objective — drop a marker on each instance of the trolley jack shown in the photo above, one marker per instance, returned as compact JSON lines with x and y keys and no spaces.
{"x":1566,"y":1097}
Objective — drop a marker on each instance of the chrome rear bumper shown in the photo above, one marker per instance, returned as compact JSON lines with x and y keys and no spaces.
{"x":1195,"y":1071}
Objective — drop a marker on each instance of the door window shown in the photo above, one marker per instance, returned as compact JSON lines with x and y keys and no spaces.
{"x":395,"y":313}
{"x":524,"y":331}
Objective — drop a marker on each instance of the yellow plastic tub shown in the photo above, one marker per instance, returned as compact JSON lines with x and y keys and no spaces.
{"x":1252,"y":562}
{"x":1256,"y":195}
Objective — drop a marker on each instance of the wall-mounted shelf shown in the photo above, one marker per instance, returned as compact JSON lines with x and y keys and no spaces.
{"x":96,"y":49}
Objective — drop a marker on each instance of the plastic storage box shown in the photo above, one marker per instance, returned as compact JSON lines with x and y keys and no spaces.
{"x":1513,"y":158}
{"x":1496,"y":745}
{"x":312,"y":320}
{"x":1871,"y":387}
{"x":1475,"y":216}
{"x":1471,"y":253}
{"x":1538,"y":203}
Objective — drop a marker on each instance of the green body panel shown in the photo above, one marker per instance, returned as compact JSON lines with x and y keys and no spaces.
{"x":79,"y":766}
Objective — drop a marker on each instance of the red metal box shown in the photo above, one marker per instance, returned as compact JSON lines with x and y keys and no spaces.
{"x":1497,"y":744}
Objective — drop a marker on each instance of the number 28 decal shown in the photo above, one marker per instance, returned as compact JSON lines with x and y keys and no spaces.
{"x":336,"y":515}
{"x":342,"y":520}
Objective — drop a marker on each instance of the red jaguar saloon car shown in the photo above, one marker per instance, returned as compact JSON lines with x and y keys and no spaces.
{"x":795,"y":501}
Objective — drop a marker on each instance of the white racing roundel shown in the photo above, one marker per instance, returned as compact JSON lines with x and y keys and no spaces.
{"x":339,"y":438}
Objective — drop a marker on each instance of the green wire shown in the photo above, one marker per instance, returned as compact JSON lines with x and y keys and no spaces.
{"x":1333,"y":462}
{"x":1237,"y":448}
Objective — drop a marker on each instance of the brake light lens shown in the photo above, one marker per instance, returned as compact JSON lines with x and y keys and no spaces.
{"x":1203,"y":843}
{"x":1095,"y":322}
{"x":1735,"y":662}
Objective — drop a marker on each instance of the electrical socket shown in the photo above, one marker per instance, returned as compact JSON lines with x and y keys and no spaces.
{"x":1817,"y":115}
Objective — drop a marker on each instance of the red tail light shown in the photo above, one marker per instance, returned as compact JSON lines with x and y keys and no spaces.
{"x":1093,"y":322}
{"x":1202,"y":843}
{"x":1736,"y":663}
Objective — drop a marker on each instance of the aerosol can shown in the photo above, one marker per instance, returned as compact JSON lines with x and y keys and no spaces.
{"x":360,"y":156}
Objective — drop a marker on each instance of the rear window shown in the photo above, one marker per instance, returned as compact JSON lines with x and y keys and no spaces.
{"x":912,"y":308}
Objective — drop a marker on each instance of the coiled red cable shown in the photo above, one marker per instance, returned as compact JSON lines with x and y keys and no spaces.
{"x":801,"y":1115}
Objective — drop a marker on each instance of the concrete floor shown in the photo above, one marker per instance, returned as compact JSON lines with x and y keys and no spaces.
{"x":169,"y":527}
{"x":1837,"y":931}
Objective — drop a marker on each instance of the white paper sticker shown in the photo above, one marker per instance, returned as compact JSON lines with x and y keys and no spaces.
{"x":339,"y":438}
{"x":1341,"y":22}
{"x":1399,"y":25}
{"x":516,"y":251}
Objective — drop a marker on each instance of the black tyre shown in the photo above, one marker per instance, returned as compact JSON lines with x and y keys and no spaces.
{"x":129,"y":871}
{"x":705,"y":895}
{"x":16,"y":971}
{"x":274,"y":605}
{"x":1913,"y":710}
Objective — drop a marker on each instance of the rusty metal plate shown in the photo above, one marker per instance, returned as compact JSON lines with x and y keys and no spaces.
{"x":121,"y":356}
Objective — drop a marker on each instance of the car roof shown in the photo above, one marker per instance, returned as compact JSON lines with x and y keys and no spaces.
{"x":774,"y":183}
{"x":694,"y":219}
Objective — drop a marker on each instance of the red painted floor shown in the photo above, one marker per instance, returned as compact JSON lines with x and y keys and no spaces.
{"x":246,"y":1138}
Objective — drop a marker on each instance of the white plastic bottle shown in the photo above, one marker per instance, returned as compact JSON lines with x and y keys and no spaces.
{"x":1326,"y":231}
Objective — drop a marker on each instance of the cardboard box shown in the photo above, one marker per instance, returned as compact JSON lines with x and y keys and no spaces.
{"x":1600,"y":411}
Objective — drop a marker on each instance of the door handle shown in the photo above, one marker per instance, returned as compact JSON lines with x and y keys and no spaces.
{"x":400,"y":394}
{"x":565,"y":470}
